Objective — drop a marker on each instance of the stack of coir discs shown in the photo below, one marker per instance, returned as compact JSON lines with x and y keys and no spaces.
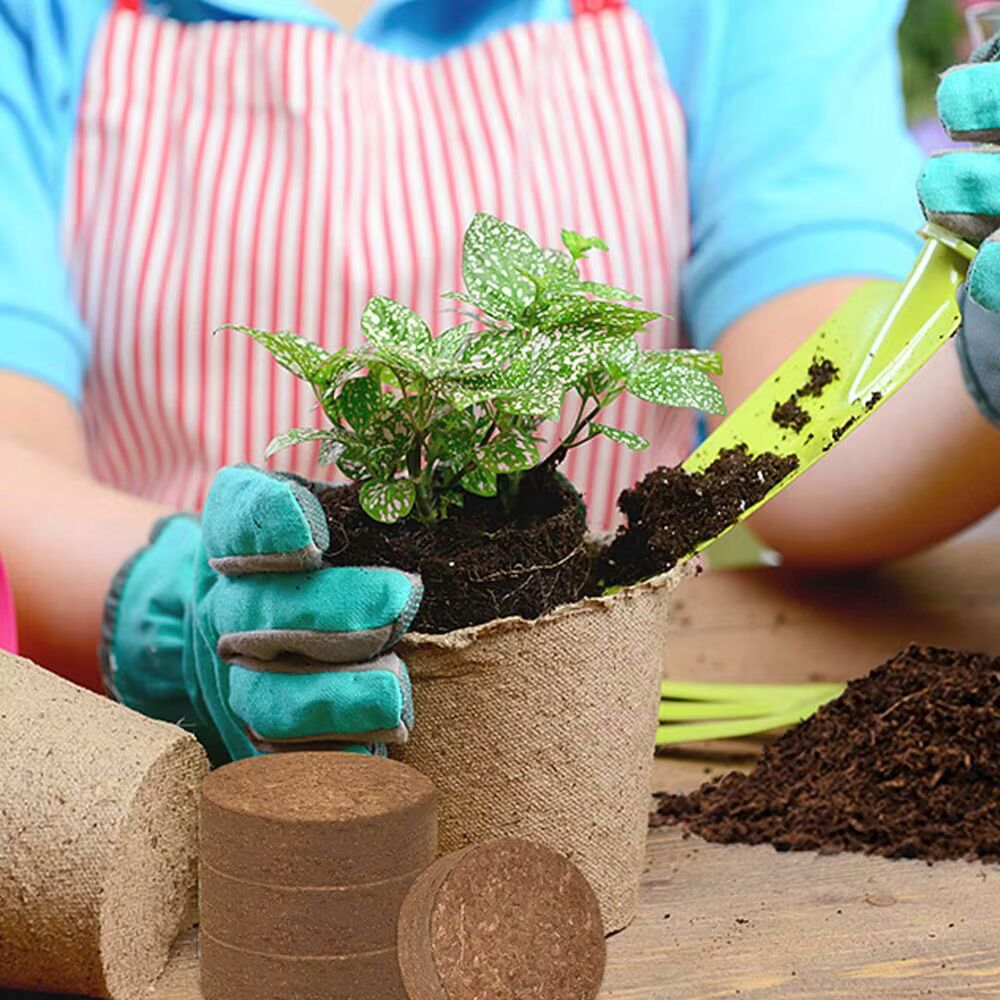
{"x":305,"y":861}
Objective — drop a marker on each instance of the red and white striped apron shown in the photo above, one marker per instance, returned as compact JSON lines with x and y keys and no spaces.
{"x":279,"y":175}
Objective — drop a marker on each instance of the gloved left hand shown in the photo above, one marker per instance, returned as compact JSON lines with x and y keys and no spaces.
{"x":233,"y":627}
{"x":960,"y":190}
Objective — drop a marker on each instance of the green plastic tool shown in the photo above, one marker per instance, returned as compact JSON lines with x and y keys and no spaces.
{"x":877,"y":341}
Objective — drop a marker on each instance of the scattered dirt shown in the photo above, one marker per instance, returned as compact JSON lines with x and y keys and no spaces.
{"x":839,"y":432}
{"x":789,"y":414}
{"x":906,"y":763}
{"x":821,"y":373}
{"x":671,"y":511}
{"x":482,"y":563}
{"x":873,"y":400}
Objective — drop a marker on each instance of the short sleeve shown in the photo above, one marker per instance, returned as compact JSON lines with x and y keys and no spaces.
{"x":800,"y":165}
{"x":43,"y":51}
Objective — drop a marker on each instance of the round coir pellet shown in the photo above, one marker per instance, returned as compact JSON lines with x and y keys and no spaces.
{"x":305,"y":859}
{"x":508,"y":920}
{"x":317,"y":819}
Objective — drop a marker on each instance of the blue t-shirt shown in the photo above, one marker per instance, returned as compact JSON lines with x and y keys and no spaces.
{"x":800,"y":166}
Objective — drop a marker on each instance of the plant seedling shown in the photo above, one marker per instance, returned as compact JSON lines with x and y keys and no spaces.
{"x":422,"y":420}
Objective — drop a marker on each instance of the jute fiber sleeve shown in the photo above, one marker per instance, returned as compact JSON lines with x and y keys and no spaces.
{"x":98,"y":838}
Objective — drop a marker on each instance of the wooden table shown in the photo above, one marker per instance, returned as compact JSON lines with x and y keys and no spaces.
{"x":725,"y":921}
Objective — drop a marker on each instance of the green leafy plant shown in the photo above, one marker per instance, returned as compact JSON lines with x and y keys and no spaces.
{"x":422,"y":420}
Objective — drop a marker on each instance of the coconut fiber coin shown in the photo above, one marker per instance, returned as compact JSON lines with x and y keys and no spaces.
{"x":507,"y":920}
{"x":305,"y":859}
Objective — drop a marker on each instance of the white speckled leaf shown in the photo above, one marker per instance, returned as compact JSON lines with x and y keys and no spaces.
{"x":388,"y":502}
{"x":495,"y":258}
{"x":511,"y":452}
{"x":297,"y":435}
{"x":663,"y":381}
{"x":481,"y":481}
{"x":359,"y":400}
{"x":631,"y":440}
{"x":390,"y":323}
{"x":303,"y":358}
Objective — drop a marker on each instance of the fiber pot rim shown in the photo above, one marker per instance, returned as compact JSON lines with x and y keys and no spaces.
{"x":464,"y":637}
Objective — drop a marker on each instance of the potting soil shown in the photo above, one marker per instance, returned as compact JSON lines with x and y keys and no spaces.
{"x":671,"y":511}
{"x":789,"y":414}
{"x":906,"y":764}
{"x":483,"y":562}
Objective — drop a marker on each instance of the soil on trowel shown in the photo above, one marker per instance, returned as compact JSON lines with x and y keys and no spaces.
{"x":789,"y":414}
{"x":671,"y":511}
{"x":483,"y":562}
{"x":906,"y":764}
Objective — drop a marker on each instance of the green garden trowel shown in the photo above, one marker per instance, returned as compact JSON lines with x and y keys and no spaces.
{"x":876,"y":341}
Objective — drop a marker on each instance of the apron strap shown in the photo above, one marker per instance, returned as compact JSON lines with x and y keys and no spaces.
{"x":133,"y":5}
{"x":597,"y":6}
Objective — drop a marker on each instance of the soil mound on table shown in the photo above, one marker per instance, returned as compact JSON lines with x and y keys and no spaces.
{"x":906,"y":763}
{"x":483,"y":562}
{"x":671,"y":511}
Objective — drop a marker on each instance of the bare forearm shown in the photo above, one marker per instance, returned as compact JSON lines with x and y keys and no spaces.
{"x":62,"y":534}
{"x":926,"y":466}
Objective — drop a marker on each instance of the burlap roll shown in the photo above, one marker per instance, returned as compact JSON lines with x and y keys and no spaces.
{"x":544,"y":730}
{"x":98,"y":838}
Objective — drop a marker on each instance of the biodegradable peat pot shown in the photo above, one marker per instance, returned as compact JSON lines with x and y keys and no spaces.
{"x":544,"y":730}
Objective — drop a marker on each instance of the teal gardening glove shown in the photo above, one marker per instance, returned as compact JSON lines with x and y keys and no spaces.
{"x":961,"y":191}
{"x":233,"y":628}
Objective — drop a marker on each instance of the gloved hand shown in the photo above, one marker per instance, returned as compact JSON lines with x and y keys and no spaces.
{"x":232,"y":627}
{"x":961,"y":191}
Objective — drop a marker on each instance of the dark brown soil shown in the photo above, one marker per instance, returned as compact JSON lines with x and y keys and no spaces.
{"x":789,"y":414}
{"x":671,"y":511}
{"x":839,"y":432}
{"x":480,"y":564}
{"x":821,"y":373}
{"x":906,"y":763}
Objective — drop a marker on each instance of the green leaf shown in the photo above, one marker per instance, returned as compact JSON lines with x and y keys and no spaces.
{"x":388,"y":502}
{"x":579,"y":245}
{"x":496,"y":257}
{"x":594,"y":314}
{"x":634,"y":441}
{"x":388,"y":323}
{"x":510,"y":452}
{"x":709,"y":362}
{"x":351,"y":463}
{"x":303,"y":358}
{"x":481,"y":481}
{"x":359,"y":400}
{"x":452,"y":342}
{"x":297,"y":435}
{"x":620,"y":357}
{"x":609,"y":293}
{"x":665,"y":381}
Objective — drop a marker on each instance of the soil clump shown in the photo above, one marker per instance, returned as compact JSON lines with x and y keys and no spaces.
{"x":671,"y":511}
{"x":486,"y":562}
{"x":906,"y":764}
{"x":789,"y":414}
{"x":483,"y":562}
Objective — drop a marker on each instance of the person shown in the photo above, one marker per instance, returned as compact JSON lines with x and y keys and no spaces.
{"x":172,"y":166}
